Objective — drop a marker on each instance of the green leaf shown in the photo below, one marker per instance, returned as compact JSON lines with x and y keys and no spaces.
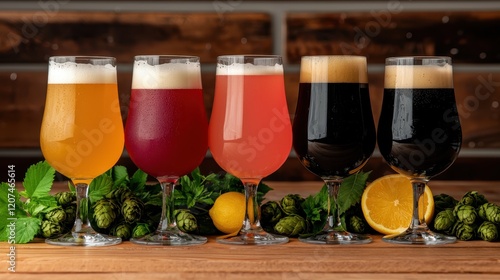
{"x":193,"y":190}
{"x":26,"y":229}
{"x":315,"y":209}
{"x":37,"y":205}
{"x":138,"y":181}
{"x":351,"y":190}
{"x":120,"y":175}
{"x":99,"y":187}
{"x":7,"y":213}
{"x":38,"y":180}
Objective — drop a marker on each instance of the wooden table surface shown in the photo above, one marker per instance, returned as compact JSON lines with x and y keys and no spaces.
{"x":294,"y":260}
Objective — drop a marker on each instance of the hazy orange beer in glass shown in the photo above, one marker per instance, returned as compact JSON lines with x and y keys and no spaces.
{"x":82,"y":130}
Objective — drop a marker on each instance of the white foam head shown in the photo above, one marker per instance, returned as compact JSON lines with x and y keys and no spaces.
{"x":249,"y":65}
{"x":418,"y":76}
{"x":166,"y":76}
{"x":81,"y":73}
{"x":249,"y":69}
{"x":333,"y":69}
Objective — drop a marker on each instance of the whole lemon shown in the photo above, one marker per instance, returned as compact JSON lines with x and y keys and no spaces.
{"x":228,"y":212}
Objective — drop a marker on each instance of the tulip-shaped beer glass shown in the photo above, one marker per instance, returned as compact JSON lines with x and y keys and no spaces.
{"x":333,"y":130}
{"x":166,"y":132}
{"x":250,"y":133}
{"x":419,"y":133}
{"x":82,"y":131}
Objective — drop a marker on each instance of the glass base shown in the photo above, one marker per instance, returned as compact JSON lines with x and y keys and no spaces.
{"x":419,"y":237}
{"x":252,"y":238}
{"x":336,"y":237}
{"x":169,"y":238}
{"x":84,"y":239}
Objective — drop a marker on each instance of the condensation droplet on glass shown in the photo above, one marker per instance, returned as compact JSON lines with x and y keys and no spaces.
{"x":445,"y":19}
{"x":55,"y":47}
{"x":472,"y":144}
{"x":244,"y":40}
{"x":454,"y":51}
{"x":13,"y":76}
{"x":482,"y":55}
{"x":409,"y":35}
{"x":495,"y":104}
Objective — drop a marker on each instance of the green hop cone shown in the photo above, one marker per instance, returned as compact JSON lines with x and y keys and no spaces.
{"x":186,"y":221}
{"x":140,"y":230}
{"x":56,"y":215}
{"x":105,"y":212}
{"x":356,"y":224}
{"x":488,"y":231}
{"x":50,"y":229}
{"x":70,"y":211}
{"x":465,"y":213}
{"x":292,"y":204}
{"x":292,"y":225}
{"x":444,"y":220}
{"x":65,"y":198}
{"x":464,"y":231}
{"x":122,"y":230}
{"x":271,"y":213}
{"x":132,"y":208}
{"x":473,"y":198}
{"x":119,"y":194}
{"x":489,"y":212}
{"x":444,"y":201}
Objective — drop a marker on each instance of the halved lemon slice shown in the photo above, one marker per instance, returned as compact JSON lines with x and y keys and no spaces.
{"x":387,"y":204}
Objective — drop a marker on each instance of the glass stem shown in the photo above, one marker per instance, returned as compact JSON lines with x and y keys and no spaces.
{"x":252,"y":213}
{"x":167,"y":220}
{"x":418,"y":219}
{"x":82,"y":222}
{"x":333,"y":218}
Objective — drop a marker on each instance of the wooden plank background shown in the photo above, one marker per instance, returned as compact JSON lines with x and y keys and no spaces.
{"x":29,"y":37}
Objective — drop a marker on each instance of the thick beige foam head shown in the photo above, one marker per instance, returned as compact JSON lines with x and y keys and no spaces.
{"x":166,"y":76}
{"x":418,"y":76}
{"x":333,"y":69}
{"x":80,"y":73}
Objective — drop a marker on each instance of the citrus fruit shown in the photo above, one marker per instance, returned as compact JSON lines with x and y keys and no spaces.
{"x":387,"y":204}
{"x":228,"y":212}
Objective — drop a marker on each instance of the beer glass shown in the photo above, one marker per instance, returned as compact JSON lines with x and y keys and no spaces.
{"x":82,"y":131}
{"x":419,"y":133}
{"x":166,"y":132}
{"x":333,"y":130}
{"x":250,"y":134}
